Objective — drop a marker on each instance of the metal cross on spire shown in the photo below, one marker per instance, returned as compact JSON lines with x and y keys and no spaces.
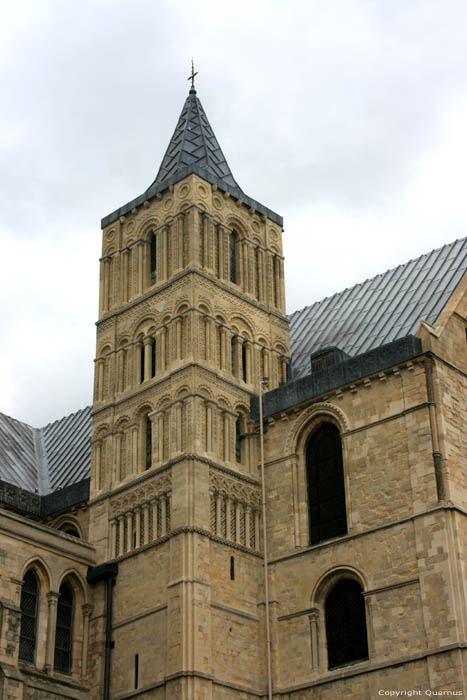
{"x":192,"y":76}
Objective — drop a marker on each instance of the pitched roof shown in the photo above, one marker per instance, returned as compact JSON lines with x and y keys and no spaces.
{"x":193,"y":141}
{"x":379,"y":310}
{"x":193,"y":148}
{"x":43,"y":460}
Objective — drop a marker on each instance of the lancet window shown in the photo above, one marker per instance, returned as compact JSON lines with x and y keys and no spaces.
{"x":29,"y":607}
{"x":64,"y":629}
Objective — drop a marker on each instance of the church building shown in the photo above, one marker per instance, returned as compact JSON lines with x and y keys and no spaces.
{"x":255,"y":505}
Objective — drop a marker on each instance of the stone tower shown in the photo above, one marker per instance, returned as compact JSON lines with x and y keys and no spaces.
{"x":191,"y":318}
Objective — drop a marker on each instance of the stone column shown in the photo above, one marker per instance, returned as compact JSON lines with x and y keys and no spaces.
{"x":313,"y":620}
{"x":86,"y":610}
{"x":117,"y":457}
{"x":134,"y":450}
{"x":228,"y":350}
{"x":100,"y":380}
{"x":247,"y":526}
{"x":129,"y":531}
{"x":52,"y":600}
{"x":155,"y":506}
{"x":160,"y":437}
{"x":237,"y":358}
{"x":113,"y":538}
{"x":178,"y":427}
{"x":147,"y":357}
{"x":219,"y":500}
{"x":97,"y":462}
{"x":145,"y":508}
{"x":124,"y":275}
{"x":164,"y":266}
{"x":257,"y":532}
{"x":228,"y":518}
{"x":139,"y":282}
{"x":163,"y":503}
{"x":220,"y":250}
{"x":245,"y":275}
{"x":238,"y":522}
{"x":208,"y":428}
{"x":138,"y":527}
{"x":121,"y":535}
{"x":226,"y":419}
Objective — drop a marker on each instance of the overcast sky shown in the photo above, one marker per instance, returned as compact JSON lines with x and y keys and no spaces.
{"x":347,"y":117}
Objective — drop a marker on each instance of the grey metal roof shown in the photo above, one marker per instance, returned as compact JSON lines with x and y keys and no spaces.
{"x":193,"y":148}
{"x":193,"y":141}
{"x":45,"y":459}
{"x":379,"y":310}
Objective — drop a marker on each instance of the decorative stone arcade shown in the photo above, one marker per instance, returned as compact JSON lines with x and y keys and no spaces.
{"x":191,"y":318}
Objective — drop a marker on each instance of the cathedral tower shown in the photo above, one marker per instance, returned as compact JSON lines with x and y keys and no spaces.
{"x":191,"y":318}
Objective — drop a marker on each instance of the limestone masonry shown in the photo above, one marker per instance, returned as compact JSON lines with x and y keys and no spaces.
{"x":132,"y":547}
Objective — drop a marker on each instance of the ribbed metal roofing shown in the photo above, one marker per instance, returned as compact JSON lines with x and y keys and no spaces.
{"x":193,"y":141}
{"x":17,"y":454}
{"x":382,"y":309}
{"x":46,"y":459}
{"x":67,"y":444}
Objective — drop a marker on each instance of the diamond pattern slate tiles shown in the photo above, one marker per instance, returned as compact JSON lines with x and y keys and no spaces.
{"x":379,"y":310}
{"x":193,"y":141}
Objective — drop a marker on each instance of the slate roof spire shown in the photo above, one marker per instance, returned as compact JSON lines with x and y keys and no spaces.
{"x":194,"y":148}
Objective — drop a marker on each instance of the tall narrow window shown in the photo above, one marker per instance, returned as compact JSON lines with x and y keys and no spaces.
{"x":64,"y":630}
{"x":141,"y":363}
{"x":244,"y":354}
{"x":238,"y":440}
{"x":153,"y":358}
{"x":153,"y":259}
{"x":136,"y":670}
{"x":148,"y":442}
{"x":233,"y":257}
{"x":233,"y":356}
{"x":28,"y":605}
{"x":346,"y":624}
{"x":232,"y":569}
{"x":326,"y":492}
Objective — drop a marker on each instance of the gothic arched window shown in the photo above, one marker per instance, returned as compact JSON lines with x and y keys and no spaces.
{"x":64,"y":629}
{"x":28,"y":605}
{"x":148,"y":442}
{"x":346,"y":624}
{"x":326,"y":492}
{"x":153,"y":259}
{"x":233,"y":237}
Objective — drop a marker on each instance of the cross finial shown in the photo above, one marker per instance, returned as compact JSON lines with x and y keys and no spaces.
{"x":192,"y":76}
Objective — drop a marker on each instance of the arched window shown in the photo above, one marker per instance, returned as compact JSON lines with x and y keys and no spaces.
{"x":28,"y":605}
{"x":64,"y":629}
{"x":346,"y":624}
{"x":153,"y":259}
{"x":233,"y":237}
{"x":238,"y":439}
{"x":148,"y":430}
{"x":70,"y":530}
{"x":326,"y":493}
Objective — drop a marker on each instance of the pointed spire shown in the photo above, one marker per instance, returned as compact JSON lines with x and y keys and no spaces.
{"x":193,"y":146}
